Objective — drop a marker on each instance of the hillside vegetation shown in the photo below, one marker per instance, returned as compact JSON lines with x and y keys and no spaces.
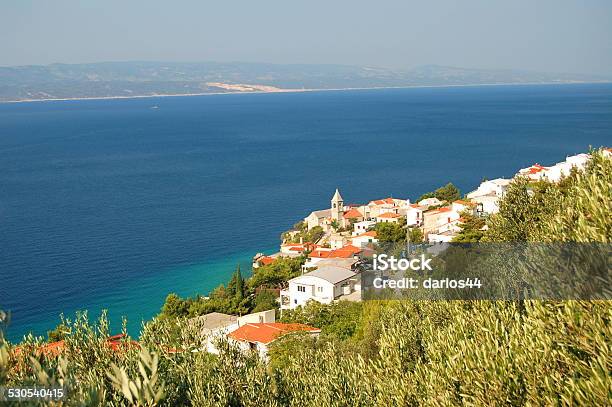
{"x":375,"y":353}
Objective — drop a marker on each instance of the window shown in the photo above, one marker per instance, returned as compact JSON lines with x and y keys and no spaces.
{"x":320,"y":289}
{"x":301,"y":288}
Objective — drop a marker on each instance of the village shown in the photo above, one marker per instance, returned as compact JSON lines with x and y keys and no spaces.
{"x":345,"y":234}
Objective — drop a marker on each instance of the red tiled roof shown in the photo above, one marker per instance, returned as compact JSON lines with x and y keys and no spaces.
{"x":299,"y":247}
{"x":371,"y":233}
{"x":320,"y":252}
{"x":439,"y":210}
{"x":353,"y":213}
{"x":389,"y":215}
{"x":267,"y":260}
{"x":534,"y":169}
{"x":383,"y":201}
{"x":342,"y":253}
{"x":345,"y":252}
{"x":268,"y":332}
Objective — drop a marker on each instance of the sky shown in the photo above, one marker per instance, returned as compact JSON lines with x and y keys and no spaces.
{"x":566,"y":36}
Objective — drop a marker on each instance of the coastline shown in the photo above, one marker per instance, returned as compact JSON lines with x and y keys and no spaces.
{"x":301,"y":91}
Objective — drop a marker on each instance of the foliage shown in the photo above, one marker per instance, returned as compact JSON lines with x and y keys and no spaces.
{"x":577,"y":209}
{"x":471,"y":228}
{"x":276,"y":273}
{"x":448,"y":193}
{"x":415,"y":235}
{"x":524,"y":207}
{"x":584,"y":205}
{"x":388,"y":232}
{"x":339,"y":320}
{"x":235,"y":287}
{"x":144,"y":390}
{"x":59,"y":333}
{"x":265,"y":300}
{"x":303,"y":234}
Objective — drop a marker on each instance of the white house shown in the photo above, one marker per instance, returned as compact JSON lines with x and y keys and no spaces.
{"x":535,"y":173}
{"x":324,"y":285}
{"x":362,"y":227}
{"x":378,"y":206}
{"x":460,"y":206}
{"x":496,"y":186}
{"x":337,"y":241}
{"x":216,"y":325}
{"x":388,"y":217}
{"x":430,"y":202}
{"x":488,"y":194}
{"x":365,"y":239}
{"x":257,"y":337}
{"x":414,"y":214}
{"x":441,"y":220}
{"x":563,"y":169}
{"x":442,"y":237}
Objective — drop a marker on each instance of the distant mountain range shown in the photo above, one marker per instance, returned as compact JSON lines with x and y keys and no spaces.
{"x":128,"y":79}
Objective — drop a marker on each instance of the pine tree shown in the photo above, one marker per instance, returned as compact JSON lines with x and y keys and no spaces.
{"x":239,"y":284}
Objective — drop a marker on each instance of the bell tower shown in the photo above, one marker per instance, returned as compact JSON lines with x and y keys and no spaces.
{"x":337,"y":206}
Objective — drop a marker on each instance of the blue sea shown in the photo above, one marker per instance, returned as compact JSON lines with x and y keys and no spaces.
{"x":113,"y":204}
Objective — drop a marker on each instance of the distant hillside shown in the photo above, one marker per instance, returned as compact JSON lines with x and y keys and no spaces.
{"x":110,"y":79}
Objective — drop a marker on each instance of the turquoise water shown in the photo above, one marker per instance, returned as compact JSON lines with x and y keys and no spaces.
{"x":113,"y":204}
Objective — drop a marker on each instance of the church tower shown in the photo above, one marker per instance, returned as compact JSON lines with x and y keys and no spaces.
{"x":337,"y":206}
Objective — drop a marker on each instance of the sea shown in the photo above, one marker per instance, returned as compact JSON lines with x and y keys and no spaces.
{"x":113,"y":204}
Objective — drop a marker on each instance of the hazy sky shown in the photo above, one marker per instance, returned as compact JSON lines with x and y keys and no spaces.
{"x":544,"y":35}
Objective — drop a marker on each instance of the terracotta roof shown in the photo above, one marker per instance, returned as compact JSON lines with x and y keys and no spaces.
{"x":439,"y":210}
{"x":389,"y":215}
{"x":371,"y":233}
{"x":268,"y":332}
{"x":383,"y":201}
{"x":299,"y":247}
{"x":353,"y":213}
{"x":342,"y":253}
{"x":534,"y":169}
{"x":345,"y":252}
{"x":267,"y":260}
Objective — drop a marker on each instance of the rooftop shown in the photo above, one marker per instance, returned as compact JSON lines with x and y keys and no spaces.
{"x":323,"y":213}
{"x":371,"y":233}
{"x":214,"y":320}
{"x":352,"y":214}
{"x":389,"y":215}
{"x":337,"y":196}
{"x":382,"y":201}
{"x":331,"y":274}
{"x":268,"y":332}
